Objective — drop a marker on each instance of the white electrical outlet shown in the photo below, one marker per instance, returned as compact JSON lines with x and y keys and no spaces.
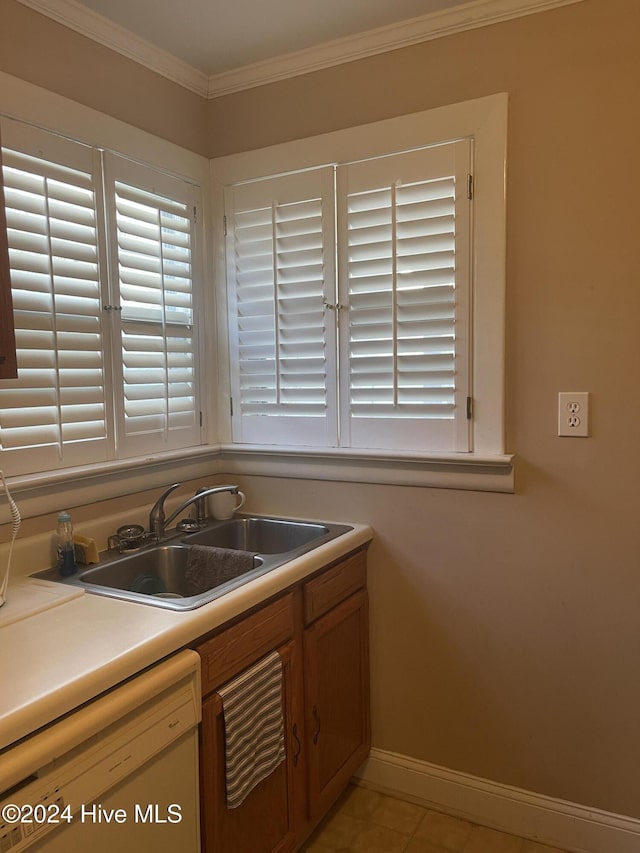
{"x":573,"y":413}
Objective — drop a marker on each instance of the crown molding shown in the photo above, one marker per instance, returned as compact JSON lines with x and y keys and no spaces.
{"x":471,"y":15}
{"x":477,"y":13}
{"x":100,"y":29}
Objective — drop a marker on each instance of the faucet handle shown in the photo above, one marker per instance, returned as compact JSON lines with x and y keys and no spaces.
{"x":156,"y":516}
{"x":167,"y":492}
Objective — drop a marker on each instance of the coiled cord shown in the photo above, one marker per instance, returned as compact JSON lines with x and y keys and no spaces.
{"x":15,"y":527}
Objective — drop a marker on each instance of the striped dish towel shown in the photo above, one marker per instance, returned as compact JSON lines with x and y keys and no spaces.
{"x":254,"y":727}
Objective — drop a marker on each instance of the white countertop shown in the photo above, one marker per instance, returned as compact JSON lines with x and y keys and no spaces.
{"x":56,"y":659}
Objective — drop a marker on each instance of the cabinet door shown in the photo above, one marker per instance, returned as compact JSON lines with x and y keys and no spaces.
{"x":8,"y":368}
{"x":265,"y":821}
{"x":336,"y":699}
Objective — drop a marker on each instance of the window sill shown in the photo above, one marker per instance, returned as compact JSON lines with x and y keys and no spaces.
{"x":51,"y":491}
{"x":39,"y":494}
{"x":469,"y":471}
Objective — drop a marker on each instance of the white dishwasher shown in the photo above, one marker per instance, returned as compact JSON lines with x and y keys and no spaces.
{"x":120,"y":773}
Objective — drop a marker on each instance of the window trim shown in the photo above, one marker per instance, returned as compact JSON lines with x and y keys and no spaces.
{"x":493,"y":471}
{"x":485,"y":120}
{"x":47,"y":492}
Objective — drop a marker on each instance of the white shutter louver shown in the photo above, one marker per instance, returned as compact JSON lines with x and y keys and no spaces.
{"x":153,"y":255}
{"x":404,"y":248}
{"x":53,"y":415}
{"x":280,"y":269}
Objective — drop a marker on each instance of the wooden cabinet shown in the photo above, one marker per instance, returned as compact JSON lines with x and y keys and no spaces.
{"x":266,"y":821}
{"x":234,"y":649}
{"x":319,"y":629}
{"x":8,"y":367}
{"x":336,"y":680}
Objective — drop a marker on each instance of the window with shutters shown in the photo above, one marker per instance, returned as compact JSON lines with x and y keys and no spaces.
{"x":102,"y":270}
{"x":403,"y":289}
{"x":377,"y":356}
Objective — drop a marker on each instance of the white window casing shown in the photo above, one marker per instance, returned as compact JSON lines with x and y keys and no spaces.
{"x":477,"y":457}
{"x":486,"y":464}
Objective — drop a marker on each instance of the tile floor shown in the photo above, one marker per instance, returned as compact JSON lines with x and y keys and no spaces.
{"x":364,"y":821}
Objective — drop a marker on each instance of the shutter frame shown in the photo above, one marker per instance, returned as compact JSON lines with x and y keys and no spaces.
{"x":155,"y":331}
{"x":387,"y":319}
{"x":55,"y":413}
{"x":280,"y":275}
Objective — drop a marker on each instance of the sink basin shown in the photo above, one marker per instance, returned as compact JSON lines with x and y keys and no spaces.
{"x":160,"y":571}
{"x":262,"y":535}
{"x":157,"y":574}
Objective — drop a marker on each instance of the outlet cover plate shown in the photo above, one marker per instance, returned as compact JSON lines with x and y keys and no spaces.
{"x":573,"y":413}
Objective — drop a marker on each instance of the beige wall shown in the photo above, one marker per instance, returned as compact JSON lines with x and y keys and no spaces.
{"x":506,"y":628}
{"x":47,"y":54}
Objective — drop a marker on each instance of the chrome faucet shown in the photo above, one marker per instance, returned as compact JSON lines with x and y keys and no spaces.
{"x":157,"y":521}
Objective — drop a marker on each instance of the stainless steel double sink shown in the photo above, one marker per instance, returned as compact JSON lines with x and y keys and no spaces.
{"x":158,"y":574}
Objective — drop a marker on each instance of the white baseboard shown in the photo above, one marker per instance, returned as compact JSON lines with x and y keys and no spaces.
{"x":555,"y":822}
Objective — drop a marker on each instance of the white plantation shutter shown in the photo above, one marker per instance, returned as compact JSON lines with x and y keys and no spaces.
{"x":151,"y":222}
{"x":402,"y":240}
{"x":404,"y":248}
{"x":107,"y":338}
{"x":280,"y":269}
{"x":54,"y":414}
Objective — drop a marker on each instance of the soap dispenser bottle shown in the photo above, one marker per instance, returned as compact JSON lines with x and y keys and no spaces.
{"x":64,"y":546}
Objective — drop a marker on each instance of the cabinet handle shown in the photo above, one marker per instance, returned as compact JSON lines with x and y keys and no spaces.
{"x":298,"y":745}
{"x":316,"y":717}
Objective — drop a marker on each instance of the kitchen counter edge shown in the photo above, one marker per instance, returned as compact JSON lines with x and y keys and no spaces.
{"x":57,"y":660}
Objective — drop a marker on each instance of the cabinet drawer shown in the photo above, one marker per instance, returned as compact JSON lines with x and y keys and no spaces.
{"x":230,"y":651}
{"x":334,"y":585}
